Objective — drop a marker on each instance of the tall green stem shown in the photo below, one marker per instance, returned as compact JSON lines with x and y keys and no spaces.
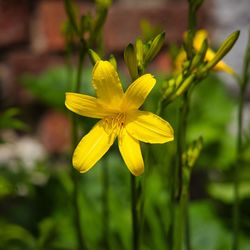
{"x":181,"y":186}
{"x":236,"y":206}
{"x":105,"y":205}
{"x":181,"y":192}
{"x":135,"y":222}
{"x":243,"y":84}
{"x":75,"y":176}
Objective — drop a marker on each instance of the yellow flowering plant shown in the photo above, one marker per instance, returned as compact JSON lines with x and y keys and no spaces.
{"x":120,"y":118}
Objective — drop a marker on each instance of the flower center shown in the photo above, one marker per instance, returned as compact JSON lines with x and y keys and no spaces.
{"x":113,"y":124}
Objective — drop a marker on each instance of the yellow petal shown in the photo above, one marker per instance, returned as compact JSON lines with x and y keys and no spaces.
{"x":199,"y":37}
{"x":148,"y":127}
{"x":179,"y":60}
{"x":107,"y":84}
{"x":92,"y":147}
{"x":221,"y":66}
{"x":137,"y":92}
{"x":85,"y":105}
{"x":131,"y":152}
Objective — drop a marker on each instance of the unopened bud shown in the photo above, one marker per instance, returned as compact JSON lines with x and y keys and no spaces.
{"x":131,"y":61}
{"x":94,"y":57}
{"x":200,"y":55}
{"x":139,"y":48}
{"x":113,"y":61}
{"x":193,"y":152}
{"x":223,"y":50}
{"x":154,"y":47}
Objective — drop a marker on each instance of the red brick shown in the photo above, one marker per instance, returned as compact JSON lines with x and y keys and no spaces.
{"x":46,"y":29}
{"x":54,"y":132}
{"x":162,"y":63}
{"x":14,"y":22}
{"x":20,"y":62}
{"x":122,"y":25}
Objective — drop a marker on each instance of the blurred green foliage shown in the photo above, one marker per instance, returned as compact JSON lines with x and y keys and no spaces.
{"x":8,"y":119}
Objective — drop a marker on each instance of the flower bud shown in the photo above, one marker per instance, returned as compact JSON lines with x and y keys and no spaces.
{"x":154,"y":48}
{"x":131,"y":61}
{"x":94,"y":57}
{"x":200,"y":55}
{"x":223,"y":50}
{"x":139,"y":48}
{"x":113,"y":61}
{"x":193,"y":152}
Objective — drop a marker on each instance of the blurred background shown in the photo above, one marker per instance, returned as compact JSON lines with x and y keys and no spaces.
{"x":35,"y":136}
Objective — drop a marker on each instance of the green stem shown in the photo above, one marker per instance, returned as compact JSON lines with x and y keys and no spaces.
{"x":180,"y":217}
{"x":135,"y":224}
{"x":105,"y":205}
{"x":82,"y":54}
{"x":74,"y":175}
{"x":187,"y":228}
{"x":181,"y":187}
{"x":142,"y":194}
{"x":77,"y":217}
{"x":236,"y":206}
{"x":180,"y":193}
{"x":243,"y":85}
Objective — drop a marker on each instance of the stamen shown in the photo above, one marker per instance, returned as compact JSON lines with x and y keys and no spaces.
{"x":113,"y":124}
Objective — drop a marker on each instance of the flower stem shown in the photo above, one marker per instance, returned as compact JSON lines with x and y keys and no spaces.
{"x":243,"y":84}
{"x":236,"y":206}
{"x":180,"y":191}
{"x":74,"y":175}
{"x":105,"y":206}
{"x":77,"y":218}
{"x":135,"y":224}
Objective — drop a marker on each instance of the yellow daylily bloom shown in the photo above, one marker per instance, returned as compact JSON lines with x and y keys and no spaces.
{"x":199,"y":37}
{"x":120,"y":118}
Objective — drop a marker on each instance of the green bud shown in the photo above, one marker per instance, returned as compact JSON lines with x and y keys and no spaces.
{"x":113,"y":61}
{"x":94,"y":57}
{"x":223,"y":50}
{"x":139,"y":52}
{"x":154,"y":48}
{"x":169,"y":90}
{"x":186,"y":65}
{"x":131,"y":61}
{"x":193,"y":152}
{"x":200,"y":55}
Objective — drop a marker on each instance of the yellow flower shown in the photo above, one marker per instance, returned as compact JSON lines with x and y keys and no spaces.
{"x":120,"y":117}
{"x":199,"y":37}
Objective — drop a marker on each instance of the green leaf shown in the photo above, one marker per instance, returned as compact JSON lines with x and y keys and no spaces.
{"x":8,"y":120}
{"x":11,"y":234}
